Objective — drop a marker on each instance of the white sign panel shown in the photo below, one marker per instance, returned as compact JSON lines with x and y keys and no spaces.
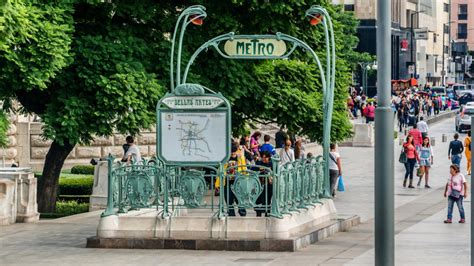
{"x":192,"y":102}
{"x":193,"y":137}
{"x":421,"y":34}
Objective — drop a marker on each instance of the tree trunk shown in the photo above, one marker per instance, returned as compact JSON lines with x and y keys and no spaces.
{"x":49,"y":181}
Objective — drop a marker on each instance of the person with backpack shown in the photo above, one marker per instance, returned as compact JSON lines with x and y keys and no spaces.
{"x":455,"y":190}
{"x":267,"y":146}
{"x":455,"y":150}
{"x":467,"y":151}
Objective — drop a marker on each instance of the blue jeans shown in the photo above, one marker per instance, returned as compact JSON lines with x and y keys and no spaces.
{"x":456,"y":159}
{"x":451,"y":201}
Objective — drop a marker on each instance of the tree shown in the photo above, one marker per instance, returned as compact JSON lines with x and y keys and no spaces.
{"x":89,"y":67}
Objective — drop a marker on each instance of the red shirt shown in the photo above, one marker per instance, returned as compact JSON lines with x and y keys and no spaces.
{"x":417,"y":138}
{"x":370,"y":111}
{"x":410,"y":150}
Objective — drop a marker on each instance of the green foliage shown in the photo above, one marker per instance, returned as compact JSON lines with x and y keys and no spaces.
{"x":66,"y":208}
{"x":76,"y":186}
{"x":3,"y":130}
{"x":89,"y":67}
{"x":83,"y":169}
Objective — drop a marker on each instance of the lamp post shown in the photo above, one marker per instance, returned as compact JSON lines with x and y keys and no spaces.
{"x":443,"y":70}
{"x":413,"y":58}
{"x":193,"y":14}
{"x":316,"y":14}
{"x":365,"y":67}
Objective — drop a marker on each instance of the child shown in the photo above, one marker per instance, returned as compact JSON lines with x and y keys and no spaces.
{"x":267,"y":146}
{"x":455,"y":191}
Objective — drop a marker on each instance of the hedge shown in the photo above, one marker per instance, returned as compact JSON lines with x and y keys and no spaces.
{"x":76,"y":186}
{"x":83,"y":169}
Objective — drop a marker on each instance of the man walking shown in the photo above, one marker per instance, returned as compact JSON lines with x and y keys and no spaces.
{"x":422,"y":127}
{"x":455,"y":150}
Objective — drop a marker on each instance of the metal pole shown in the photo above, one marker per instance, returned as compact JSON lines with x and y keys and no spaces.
{"x":412,"y":43}
{"x":384,"y":157}
{"x":443,"y":72}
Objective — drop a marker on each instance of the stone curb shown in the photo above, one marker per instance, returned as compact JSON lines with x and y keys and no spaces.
{"x":292,"y":244}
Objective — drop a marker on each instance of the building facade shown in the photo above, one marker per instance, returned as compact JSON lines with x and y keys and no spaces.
{"x":417,"y":36}
{"x":462,"y":40}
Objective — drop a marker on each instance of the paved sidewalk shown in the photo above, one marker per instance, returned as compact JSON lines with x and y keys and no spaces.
{"x":421,"y":238}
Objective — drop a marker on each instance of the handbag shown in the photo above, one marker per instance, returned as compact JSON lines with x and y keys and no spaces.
{"x":403,"y":157}
{"x":340,"y":184}
{"x":420,"y":172}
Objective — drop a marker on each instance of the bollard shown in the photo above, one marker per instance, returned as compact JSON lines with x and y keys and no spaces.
{"x":432,"y":141}
{"x":444,"y":138}
{"x":406,"y":131}
{"x":400,"y":141}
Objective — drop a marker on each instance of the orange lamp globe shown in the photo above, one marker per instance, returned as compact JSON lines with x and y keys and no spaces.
{"x":196,"y":20}
{"x":315,"y":20}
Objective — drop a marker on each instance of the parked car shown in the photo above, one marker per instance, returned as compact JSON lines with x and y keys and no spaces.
{"x":441,"y":91}
{"x":450,"y":93}
{"x":465,"y":98}
{"x":459,"y":90}
{"x":463,"y":118}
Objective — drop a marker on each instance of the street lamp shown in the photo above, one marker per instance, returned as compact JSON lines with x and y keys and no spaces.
{"x":316,"y":14}
{"x":195,"y":15}
{"x":365,"y":67}
{"x":413,"y":58}
{"x":443,"y":70}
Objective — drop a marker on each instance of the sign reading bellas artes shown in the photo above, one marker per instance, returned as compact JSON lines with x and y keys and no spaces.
{"x":255,"y":48}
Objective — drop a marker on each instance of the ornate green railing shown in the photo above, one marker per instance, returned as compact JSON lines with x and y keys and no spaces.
{"x":269,"y":190}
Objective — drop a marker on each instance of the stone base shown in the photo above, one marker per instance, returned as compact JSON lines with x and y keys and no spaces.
{"x":299,"y":241}
{"x":34,"y":217}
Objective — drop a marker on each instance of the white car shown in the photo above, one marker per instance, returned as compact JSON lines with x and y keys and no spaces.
{"x":470,"y":104}
{"x":463,"y":118}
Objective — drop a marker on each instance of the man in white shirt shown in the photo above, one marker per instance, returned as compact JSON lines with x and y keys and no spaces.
{"x":422,"y":127}
{"x":133,"y":153}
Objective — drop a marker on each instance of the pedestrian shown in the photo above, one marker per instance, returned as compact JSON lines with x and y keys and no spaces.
{"x":264,"y":199}
{"x":234,"y":164}
{"x":422,"y":127}
{"x":370,"y":113}
{"x":412,"y":157}
{"x":133,"y":153}
{"x":299,"y":150}
{"x":267,"y":146}
{"x":426,"y":160}
{"x":455,"y":191}
{"x":287,"y":154}
{"x":417,"y":137}
{"x":467,"y":151}
{"x":254,"y":143}
{"x":455,"y":150}
{"x":280,"y":138}
{"x":335,"y":168}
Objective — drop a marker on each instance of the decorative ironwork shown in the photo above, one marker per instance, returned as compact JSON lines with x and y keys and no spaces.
{"x":192,"y":188}
{"x":247,"y":188}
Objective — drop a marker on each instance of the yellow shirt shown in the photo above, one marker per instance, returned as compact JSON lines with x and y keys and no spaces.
{"x":467,"y":143}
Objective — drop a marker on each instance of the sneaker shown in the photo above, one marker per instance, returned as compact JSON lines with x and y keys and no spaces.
{"x":419,"y":183}
{"x":462,"y":221}
{"x":427,"y":186}
{"x":448,"y":221}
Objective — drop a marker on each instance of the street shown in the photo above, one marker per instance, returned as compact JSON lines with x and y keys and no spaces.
{"x":421,"y":236}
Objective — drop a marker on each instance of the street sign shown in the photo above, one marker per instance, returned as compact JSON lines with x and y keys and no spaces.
{"x":193,"y":127}
{"x":254,"y":48}
{"x":421,"y":34}
{"x":411,"y":69}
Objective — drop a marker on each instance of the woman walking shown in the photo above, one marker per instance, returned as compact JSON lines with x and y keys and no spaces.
{"x":426,"y":160}
{"x":412,"y":158}
{"x":455,"y":191}
{"x":467,"y":151}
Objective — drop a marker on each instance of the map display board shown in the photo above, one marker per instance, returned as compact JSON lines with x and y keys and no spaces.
{"x":193,"y":136}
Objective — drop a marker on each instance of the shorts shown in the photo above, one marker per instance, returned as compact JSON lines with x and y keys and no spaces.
{"x":425,"y":162}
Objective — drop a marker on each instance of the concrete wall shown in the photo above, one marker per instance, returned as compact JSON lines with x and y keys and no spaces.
{"x":29,"y":149}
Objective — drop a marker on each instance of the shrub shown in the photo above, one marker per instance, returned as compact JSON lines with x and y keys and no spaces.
{"x":82,"y":170}
{"x":76,"y":186}
{"x":65,"y":208}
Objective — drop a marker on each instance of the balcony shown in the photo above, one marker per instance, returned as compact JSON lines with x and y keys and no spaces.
{"x":462,"y":16}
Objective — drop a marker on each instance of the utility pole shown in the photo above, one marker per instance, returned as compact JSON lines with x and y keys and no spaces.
{"x":413,"y":40}
{"x":384,"y":158}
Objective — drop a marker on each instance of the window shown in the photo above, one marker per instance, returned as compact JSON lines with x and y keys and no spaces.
{"x":462,"y":12}
{"x":446,"y":49}
{"x":446,"y":7}
{"x":462,"y":31}
{"x":435,"y":37}
{"x":446,"y":29}
{"x":349,"y":8}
